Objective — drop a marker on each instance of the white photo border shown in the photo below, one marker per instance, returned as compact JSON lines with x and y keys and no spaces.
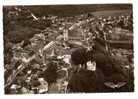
{"x":69,"y":96}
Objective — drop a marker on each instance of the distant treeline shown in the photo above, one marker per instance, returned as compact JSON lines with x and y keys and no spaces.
{"x":71,"y":10}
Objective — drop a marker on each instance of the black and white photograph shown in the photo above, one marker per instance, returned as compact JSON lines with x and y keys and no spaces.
{"x":68,"y":48}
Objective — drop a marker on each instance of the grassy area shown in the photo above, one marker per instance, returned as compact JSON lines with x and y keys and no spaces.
{"x":112,"y":13}
{"x":71,"y":10}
